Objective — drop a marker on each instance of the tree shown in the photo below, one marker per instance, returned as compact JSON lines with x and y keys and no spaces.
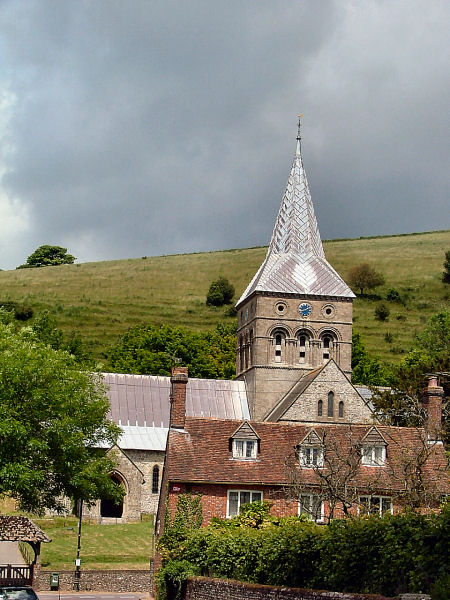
{"x":154,"y":349}
{"x":446,"y":273}
{"x":48,"y":256}
{"x":364,"y":276}
{"x":53,"y":424}
{"x":367,"y":370}
{"x":220,"y":292}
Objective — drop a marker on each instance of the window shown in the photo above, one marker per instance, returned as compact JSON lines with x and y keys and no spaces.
{"x":375,"y":505}
{"x":311,"y":506}
{"x":236,"y":498}
{"x":245,"y":449}
{"x":155,"y":479}
{"x":278,"y":340}
{"x":374,"y":456}
{"x":320,"y":408}
{"x":327,"y":346}
{"x":303,"y":343}
{"x":330,"y":411}
{"x":311,"y":456}
{"x":341,"y":409}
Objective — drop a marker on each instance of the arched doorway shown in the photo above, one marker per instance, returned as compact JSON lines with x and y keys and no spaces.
{"x":109,"y":509}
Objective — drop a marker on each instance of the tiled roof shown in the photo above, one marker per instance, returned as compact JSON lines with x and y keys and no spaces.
{"x":201,"y":453}
{"x":20,"y":529}
{"x":295,"y":261}
{"x":140,"y":405}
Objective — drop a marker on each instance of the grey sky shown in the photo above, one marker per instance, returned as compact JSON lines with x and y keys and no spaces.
{"x":146,"y":127}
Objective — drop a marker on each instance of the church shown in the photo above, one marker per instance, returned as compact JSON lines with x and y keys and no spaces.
{"x":230,"y":441}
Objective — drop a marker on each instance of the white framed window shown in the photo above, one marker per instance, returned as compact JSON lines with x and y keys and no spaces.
{"x":236,"y":498}
{"x":245,"y":449}
{"x":311,"y":456}
{"x":375,"y":505}
{"x":311,"y":506}
{"x":374,"y":456}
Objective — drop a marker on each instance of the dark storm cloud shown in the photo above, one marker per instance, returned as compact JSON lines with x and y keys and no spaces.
{"x":140,"y":128}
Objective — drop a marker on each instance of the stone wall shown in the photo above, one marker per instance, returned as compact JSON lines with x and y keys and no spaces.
{"x":203,"y":588}
{"x":99,"y":581}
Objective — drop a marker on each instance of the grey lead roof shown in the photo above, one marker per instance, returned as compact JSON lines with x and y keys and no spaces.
{"x":140,"y":405}
{"x":295,"y":261}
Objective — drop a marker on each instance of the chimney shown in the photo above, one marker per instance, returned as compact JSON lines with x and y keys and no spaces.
{"x":432,"y":403}
{"x":178,"y":379}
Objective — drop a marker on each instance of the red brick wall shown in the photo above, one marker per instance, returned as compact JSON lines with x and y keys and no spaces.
{"x":203,"y":588}
{"x":214,"y":498}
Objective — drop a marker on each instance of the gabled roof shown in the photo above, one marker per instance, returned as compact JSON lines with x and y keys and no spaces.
{"x":295,"y":261}
{"x":312,"y":438}
{"x":20,"y":529}
{"x":245,"y":431}
{"x":373,"y":436}
{"x":201,"y":453}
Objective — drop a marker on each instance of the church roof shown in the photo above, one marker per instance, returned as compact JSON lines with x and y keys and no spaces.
{"x":295,"y":261}
{"x":140,"y":405}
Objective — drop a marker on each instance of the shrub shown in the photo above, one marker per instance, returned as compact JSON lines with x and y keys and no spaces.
{"x":446,"y":272}
{"x":171,"y":579}
{"x":388,"y":337}
{"x":220,"y":292}
{"x":23,"y":313}
{"x":382,"y":312}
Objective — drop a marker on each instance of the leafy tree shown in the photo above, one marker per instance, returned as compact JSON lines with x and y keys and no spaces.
{"x":53,"y":420}
{"x":153,"y":349}
{"x":364,"y":276}
{"x":430,"y":353}
{"x":220,"y":292}
{"x":446,"y":273}
{"x":48,"y":256}
{"x":367,"y":370}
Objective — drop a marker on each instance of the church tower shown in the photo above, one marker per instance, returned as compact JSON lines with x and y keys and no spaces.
{"x":296,"y":313}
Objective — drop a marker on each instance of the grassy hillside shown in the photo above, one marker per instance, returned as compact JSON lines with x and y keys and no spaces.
{"x":103,"y":299}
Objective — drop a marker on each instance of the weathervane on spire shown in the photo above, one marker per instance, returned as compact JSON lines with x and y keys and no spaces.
{"x":299,"y":134}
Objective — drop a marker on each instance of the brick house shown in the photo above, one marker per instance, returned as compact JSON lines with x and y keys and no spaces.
{"x":230,"y":462}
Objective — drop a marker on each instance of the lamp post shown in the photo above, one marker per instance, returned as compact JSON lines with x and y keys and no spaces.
{"x":78,"y":559}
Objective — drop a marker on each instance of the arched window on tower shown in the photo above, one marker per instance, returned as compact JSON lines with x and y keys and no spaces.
{"x":328,"y":341}
{"x":303,"y":345}
{"x":155,"y":479}
{"x":246,"y":350}
{"x":241,"y":353}
{"x":250,"y":348}
{"x":330,"y":411}
{"x":279,"y":343}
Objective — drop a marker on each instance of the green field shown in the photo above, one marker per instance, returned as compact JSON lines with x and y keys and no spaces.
{"x":127,"y":546}
{"x":101,"y":300}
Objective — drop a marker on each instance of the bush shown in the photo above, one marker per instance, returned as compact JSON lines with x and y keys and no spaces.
{"x":220,"y":292}
{"x":393,"y":295}
{"x":171,"y":579}
{"x":23,"y":313}
{"x":382,"y":312}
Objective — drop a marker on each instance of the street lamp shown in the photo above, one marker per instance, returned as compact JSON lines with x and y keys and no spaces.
{"x":78,"y":559}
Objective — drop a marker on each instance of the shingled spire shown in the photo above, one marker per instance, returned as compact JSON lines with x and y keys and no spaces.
{"x":295,"y":261}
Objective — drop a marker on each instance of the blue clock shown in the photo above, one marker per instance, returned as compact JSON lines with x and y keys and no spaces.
{"x":305,"y":309}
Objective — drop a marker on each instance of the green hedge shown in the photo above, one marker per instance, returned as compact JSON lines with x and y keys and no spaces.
{"x":389,"y":556}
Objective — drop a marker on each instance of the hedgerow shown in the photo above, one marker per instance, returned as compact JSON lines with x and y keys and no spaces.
{"x":391,"y":555}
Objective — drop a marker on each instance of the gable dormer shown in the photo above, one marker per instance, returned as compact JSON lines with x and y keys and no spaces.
{"x":373,"y":449}
{"x":244,"y":443}
{"x":311,"y":450}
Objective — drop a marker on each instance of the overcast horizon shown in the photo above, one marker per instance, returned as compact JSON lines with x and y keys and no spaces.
{"x":144,"y":128}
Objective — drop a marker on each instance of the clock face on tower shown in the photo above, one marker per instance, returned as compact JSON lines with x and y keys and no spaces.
{"x":305,"y":309}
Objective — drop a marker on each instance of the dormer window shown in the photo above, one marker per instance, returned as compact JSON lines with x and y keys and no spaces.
{"x":373,"y":451}
{"x":374,"y":456}
{"x":244,"y":443}
{"x":311,"y":456}
{"x":311,"y":451}
{"x":244,"y":449}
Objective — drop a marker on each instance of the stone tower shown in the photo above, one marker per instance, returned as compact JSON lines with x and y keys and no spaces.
{"x":296,"y":313}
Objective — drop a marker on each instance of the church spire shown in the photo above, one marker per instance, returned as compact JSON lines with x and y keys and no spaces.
{"x":295,"y":261}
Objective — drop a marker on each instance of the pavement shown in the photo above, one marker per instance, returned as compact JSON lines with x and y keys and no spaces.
{"x":10,"y":554}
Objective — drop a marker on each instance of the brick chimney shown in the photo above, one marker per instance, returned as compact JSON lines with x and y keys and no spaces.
{"x":432,"y":403}
{"x":178,"y":379}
